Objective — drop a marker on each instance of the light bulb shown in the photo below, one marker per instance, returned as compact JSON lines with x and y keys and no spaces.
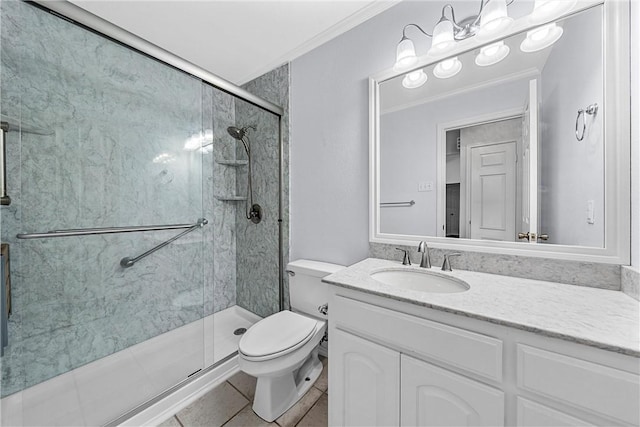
{"x":447,"y":68}
{"x":414,"y":79}
{"x":541,"y":38}
{"x":492,"y":54}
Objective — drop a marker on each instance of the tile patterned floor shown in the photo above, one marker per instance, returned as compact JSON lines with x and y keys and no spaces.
{"x":229,"y":405}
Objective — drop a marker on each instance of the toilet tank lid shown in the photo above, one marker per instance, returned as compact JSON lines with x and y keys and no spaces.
{"x":313,"y":268}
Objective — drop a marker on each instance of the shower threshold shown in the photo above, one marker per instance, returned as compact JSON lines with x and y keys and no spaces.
{"x":101,"y":391}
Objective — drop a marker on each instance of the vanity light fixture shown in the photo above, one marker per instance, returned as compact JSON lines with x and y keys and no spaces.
{"x":491,"y":19}
{"x":447,"y":68}
{"x":414,"y":79}
{"x":492,"y":54}
{"x":541,"y":38}
{"x":544,"y":10}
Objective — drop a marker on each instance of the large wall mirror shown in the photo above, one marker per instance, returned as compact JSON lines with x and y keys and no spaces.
{"x":518,"y":145}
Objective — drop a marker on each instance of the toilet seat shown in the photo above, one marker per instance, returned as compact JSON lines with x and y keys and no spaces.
{"x":276,"y":335}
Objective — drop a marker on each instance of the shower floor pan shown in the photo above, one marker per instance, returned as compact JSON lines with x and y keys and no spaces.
{"x":101,"y":391}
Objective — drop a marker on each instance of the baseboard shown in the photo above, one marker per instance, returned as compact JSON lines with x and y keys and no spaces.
{"x":183,"y":397}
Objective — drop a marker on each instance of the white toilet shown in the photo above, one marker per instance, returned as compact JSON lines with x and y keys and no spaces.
{"x":282,"y":350}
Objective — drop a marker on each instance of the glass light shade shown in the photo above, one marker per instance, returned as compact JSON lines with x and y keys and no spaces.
{"x":442,"y":37}
{"x":492,"y":54}
{"x":414,"y":79}
{"x":494,"y":18}
{"x":405,"y":55}
{"x":544,"y":10}
{"x":541,"y":38}
{"x":447,"y":68}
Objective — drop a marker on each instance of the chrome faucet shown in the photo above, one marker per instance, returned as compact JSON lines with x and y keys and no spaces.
{"x":446,"y":265}
{"x":406,"y":260}
{"x":425,"y":262}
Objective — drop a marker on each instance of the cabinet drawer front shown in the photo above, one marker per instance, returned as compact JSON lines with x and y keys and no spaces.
{"x":473,"y":352}
{"x":590,"y":386}
{"x":533,"y":414}
{"x":433,"y":396}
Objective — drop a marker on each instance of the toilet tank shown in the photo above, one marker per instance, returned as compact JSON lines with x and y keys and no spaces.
{"x":307,"y":291}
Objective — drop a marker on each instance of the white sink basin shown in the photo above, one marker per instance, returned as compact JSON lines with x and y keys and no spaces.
{"x":423,"y":281}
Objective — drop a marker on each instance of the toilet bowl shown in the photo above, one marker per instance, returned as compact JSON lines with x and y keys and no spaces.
{"x":281,"y":350}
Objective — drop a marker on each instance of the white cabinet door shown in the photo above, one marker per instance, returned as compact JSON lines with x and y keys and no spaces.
{"x":365,"y":382}
{"x":532,"y":414}
{"x":432,"y":396}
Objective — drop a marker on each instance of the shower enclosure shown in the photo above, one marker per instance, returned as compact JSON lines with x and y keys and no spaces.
{"x":128,"y":261}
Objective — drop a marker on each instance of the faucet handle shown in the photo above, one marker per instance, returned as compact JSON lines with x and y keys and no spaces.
{"x":446,"y":265}
{"x":406,"y":260}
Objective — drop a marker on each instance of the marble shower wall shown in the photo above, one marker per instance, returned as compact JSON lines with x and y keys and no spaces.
{"x":257,"y":244}
{"x":110,"y":152}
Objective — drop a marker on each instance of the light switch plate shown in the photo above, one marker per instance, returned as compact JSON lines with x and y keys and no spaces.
{"x":591,"y":212}
{"x":425,"y":186}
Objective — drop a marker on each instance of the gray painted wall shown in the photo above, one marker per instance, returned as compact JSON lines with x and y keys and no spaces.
{"x":329,"y":135}
{"x":573,"y":170}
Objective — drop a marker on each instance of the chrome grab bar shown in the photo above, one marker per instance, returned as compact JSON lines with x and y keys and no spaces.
{"x":5,"y":200}
{"x":127,"y":262}
{"x":8,"y":124}
{"x":71,"y":232}
{"x":399,"y":204}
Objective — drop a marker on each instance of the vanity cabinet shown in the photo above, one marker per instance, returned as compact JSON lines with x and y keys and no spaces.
{"x":396,"y":363}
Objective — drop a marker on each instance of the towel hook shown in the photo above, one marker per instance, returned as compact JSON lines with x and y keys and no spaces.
{"x":591,"y":110}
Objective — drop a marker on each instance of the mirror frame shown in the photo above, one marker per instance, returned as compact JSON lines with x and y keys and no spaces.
{"x":617,"y":136}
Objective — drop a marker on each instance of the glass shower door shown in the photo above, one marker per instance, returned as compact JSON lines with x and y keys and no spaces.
{"x":97,"y":139}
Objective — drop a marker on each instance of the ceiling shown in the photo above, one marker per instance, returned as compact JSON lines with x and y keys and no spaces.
{"x":237,"y":40}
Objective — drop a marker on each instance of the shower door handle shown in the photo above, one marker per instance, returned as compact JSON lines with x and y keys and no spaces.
{"x":5,"y":200}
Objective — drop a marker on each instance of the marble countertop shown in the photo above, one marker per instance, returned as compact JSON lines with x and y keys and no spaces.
{"x":596,"y":317}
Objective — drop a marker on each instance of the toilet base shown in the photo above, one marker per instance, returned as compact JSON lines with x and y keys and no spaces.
{"x":276,"y":394}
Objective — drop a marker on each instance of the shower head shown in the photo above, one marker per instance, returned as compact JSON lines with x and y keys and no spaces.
{"x":236,"y":132}
{"x":239,"y":133}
